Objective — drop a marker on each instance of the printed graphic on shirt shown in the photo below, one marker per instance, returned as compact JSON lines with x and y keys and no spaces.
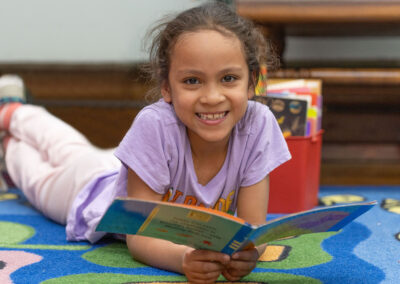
{"x":177,"y":196}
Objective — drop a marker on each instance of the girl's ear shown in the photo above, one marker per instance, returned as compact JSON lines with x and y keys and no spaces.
{"x":252,"y":85}
{"x":166,"y":92}
{"x":250,"y":92}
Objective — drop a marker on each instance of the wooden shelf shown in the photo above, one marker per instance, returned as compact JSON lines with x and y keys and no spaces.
{"x":344,"y":76}
{"x":313,"y":11}
{"x":360,"y":173}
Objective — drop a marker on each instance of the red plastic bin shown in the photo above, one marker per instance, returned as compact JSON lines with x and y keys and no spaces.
{"x":294,"y":185}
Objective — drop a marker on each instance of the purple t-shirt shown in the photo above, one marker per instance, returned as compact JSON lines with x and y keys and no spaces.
{"x":157,"y":148}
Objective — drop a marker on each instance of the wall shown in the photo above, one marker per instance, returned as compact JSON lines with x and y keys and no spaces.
{"x":378,"y":50}
{"x":76,"y":31}
{"x":104,"y":31}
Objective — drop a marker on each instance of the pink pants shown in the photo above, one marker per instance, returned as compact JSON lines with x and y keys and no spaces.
{"x":51,"y":161}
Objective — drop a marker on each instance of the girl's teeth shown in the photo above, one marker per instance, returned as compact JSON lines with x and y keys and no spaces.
{"x":211,"y":116}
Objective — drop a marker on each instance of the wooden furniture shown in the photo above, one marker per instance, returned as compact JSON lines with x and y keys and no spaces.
{"x":101,"y":101}
{"x":322,"y":17}
{"x":361,"y":114}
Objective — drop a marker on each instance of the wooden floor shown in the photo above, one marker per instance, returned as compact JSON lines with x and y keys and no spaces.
{"x":359,"y":147}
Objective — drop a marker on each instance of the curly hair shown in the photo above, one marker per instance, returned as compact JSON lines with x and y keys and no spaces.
{"x":210,"y":16}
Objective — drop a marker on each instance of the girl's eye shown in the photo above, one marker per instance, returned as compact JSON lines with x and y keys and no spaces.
{"x":191,"y":81}
{"x":228,"y":78}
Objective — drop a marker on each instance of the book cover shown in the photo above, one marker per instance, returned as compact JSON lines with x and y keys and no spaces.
{"x":203,"y":228}
{"x":301,"y":88}
{"x":291,"y":112}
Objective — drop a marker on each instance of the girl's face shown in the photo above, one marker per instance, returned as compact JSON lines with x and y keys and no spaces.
{"x":208,"y":84}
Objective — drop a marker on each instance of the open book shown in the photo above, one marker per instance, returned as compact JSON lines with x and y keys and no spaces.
{"x":203,"y":228}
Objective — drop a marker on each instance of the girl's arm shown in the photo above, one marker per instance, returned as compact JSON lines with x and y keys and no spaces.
{"x":252,"y":206}
{"x":252,"y":202}
{"x":199,"y":266}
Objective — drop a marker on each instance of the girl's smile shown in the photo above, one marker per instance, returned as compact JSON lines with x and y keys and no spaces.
{"x":208,"y":84}
{"x":212,"y":118}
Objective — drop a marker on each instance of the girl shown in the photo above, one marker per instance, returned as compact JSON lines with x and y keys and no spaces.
{"x":202,"y":143}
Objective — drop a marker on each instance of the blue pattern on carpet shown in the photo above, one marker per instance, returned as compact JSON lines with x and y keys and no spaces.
{"x":366,"y":251}
{"x":381,"y":248}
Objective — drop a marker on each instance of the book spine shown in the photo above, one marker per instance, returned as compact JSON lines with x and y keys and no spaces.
{"x":236,"y":242}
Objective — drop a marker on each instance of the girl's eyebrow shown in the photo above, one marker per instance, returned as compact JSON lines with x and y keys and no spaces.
{"x":189,"y":71}
{"x":233,"y":69}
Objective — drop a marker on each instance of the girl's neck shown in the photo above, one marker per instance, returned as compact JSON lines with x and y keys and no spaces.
{"x":204,"y":149}
{"x":208,"y":159}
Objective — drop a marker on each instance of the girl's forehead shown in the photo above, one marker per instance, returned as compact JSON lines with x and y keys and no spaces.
{"x":207,"y":51}
{"x":209,"y":35}
{"x":219,"y":31}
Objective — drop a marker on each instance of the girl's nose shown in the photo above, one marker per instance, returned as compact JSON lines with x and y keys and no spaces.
{"x":212,"y":95}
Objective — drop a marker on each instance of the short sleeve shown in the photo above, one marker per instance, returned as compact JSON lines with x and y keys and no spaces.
{"x":143,"y":150}
{"x":267,"y":148}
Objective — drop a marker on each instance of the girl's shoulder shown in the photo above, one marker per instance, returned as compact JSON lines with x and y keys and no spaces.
{"x":157,"y":119}
{"x":257,"y":109}
{"x":158,"y":112}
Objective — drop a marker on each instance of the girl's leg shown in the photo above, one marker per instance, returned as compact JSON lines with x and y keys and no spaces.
{"x":57,"y":141}
{"x":50,"y":161}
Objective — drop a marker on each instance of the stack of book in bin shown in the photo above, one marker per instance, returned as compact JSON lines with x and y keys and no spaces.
{"x":296,"y":104}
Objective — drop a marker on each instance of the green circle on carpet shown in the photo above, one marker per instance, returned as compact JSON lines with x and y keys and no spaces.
{"x":112,"y":255}
{"x":14,"y":233}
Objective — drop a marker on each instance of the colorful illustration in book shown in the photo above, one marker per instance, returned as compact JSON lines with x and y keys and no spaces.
{"x":300,"y":89}
{"x":290,"y":113}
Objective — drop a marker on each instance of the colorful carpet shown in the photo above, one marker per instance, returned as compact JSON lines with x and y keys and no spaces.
{"x":33,"y":249}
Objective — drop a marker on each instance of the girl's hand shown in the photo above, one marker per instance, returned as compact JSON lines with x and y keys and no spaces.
{"x":241,"y":264}
{"x":203,"y":266}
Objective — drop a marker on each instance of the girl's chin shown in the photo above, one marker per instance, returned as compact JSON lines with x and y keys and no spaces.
{"x":211,"y":136}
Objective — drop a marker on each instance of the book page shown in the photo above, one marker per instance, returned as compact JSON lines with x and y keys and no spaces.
{"x":193,"y":228}
{"x":313,"y":221}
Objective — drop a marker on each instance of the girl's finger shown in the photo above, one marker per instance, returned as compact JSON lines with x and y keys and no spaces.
{"x":207,"y":255}
{"x":246,"y":255}
{"x":206,"y":276}
{"x":205,"y":267}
